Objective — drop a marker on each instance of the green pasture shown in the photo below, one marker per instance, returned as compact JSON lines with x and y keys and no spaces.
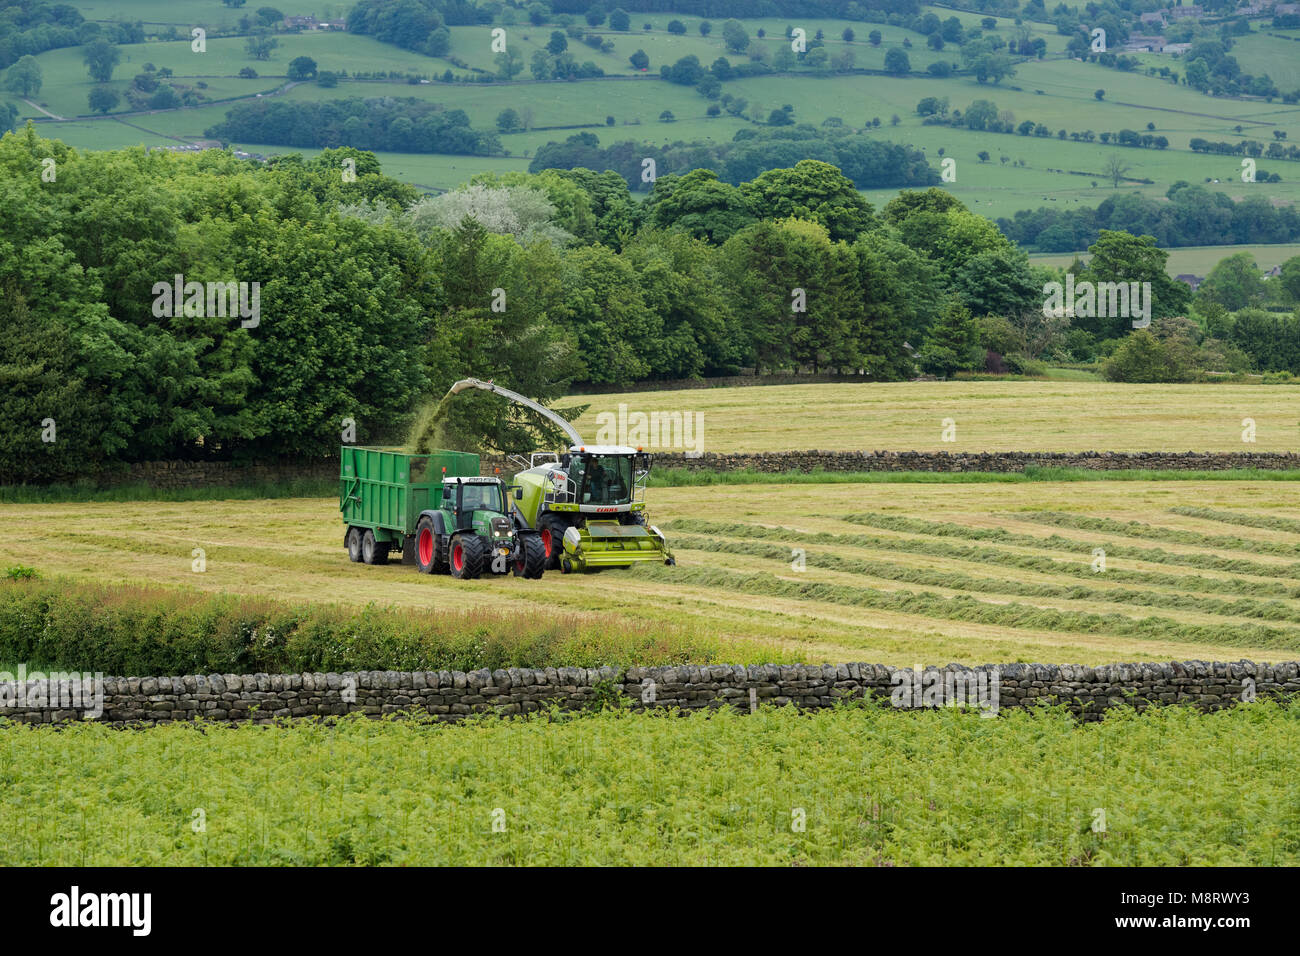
{"x":1055,"y":91}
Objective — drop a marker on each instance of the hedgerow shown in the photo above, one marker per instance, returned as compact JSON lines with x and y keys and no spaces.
{"x":136,"y":631}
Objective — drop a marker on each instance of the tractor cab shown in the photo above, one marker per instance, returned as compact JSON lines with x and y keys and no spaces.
{"x":478,"y":504}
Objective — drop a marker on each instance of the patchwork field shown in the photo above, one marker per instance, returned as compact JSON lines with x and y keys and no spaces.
{"x":989,"y":416}
{"x":894,"y":573}
{"x":1019,"y":172}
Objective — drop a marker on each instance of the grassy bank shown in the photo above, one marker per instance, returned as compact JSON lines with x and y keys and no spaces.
{"x":142,"y":631}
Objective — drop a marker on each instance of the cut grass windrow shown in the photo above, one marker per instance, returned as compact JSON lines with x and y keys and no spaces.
{"x":1208,"y":562}
{"x":969,"y":609}
{"x":1152,"y":532}
{"x":988,"y":554}
{"x":958,"y":581}
{"x":1243,"y":518}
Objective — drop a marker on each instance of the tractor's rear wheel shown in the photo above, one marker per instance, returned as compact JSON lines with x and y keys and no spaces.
{"x":426,"y":546}
{"x":551,"y":530}
{"x":466,"y":556}
{"x":372,"y":551}
{"x":531,"y":561}
{"x":353,"y":539}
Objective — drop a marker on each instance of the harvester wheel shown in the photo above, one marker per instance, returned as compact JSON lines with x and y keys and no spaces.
{"x":466,"y":556}
{"x":426,"y":546}
{"x":551,"y":530}
{"x":532,"y":557}
{"x":372,"y":551}
{"x":354,"y":543}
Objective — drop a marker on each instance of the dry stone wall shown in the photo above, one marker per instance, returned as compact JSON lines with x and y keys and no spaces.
{"x":942,"y":461}
{"x":453,"y":695}
{"x":201,"y":474}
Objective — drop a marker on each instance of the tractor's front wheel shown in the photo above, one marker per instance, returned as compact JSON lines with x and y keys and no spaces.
{"x":551,"y":530}
{"x":426,"y":546}
{"x":466,"y":556}
{"x":531,"y":561}
{"x":372,"y":551}
{"x":353,"y":539}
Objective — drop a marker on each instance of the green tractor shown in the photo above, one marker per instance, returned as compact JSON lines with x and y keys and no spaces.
{"x":436,"y":510}
{"x":472,"y":533}
{"x":587,"y":505}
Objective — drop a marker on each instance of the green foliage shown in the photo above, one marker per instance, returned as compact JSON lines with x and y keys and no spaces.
{"x":952,"y":343}
{"x":101,"y":99}
{"x":811,"y":190}
{"x":402,"y":124}
{"x":699,"y":204}
{"x":945,"y":788}
{"x":24,"y":77}
{"x":1144,"y":358}
{"x":155,"y":631}
{"x":101,"y":58}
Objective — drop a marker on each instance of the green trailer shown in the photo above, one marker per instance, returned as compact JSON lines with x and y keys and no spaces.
{"x":435,"y":509}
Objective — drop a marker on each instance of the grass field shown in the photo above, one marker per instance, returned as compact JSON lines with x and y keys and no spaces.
{"x":894,"y":573}
{"x":871,"y":788}
{"x":1197,"y":260}
{"x":990,"y":416}
{"x":1054,"y":91}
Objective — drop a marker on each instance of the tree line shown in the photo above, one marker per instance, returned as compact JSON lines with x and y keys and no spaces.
{"x":1194,"y":216}
{"x":870,"y":163}
{"x":401,"y":124}
{"x":374,"y":298}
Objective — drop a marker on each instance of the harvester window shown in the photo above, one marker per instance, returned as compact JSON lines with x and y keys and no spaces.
{"x":609,"y":481}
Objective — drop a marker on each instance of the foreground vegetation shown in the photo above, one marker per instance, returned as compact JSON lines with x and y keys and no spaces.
{"x":855,"y":785}
{"x":143,"y":631}
{"x":897,"y":573}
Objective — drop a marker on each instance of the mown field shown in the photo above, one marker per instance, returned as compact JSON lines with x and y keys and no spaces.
{"x":989,"y":416}
{"x":1197,"y":260}
{"x":849,"y":787}
{"x":894,"y":573}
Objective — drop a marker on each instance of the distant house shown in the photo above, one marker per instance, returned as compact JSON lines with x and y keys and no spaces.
{"x":1156,"y":19}
{"x":1176,"y":48}
{"x":1273,"y":273}
{"x":1185,"y":13}
{"x":311,"y":23}
{"x":1191,"y":280}
{"x":1285,"y":9}
{"x":1144,"y":43}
